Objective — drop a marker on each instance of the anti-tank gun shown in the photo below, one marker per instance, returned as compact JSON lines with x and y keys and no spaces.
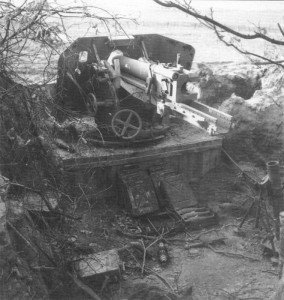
{"x":170,"y":87}
{"x":111,"y":79}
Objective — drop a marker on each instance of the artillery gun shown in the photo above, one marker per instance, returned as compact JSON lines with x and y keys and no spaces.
{"x":127,"y":93}
{"x":108,"y":77}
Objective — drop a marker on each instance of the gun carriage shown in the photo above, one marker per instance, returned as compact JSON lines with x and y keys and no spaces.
{"x":134,"y":85}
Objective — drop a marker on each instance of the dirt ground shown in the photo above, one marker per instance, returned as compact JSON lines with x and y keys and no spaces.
{"x":239,"y":272}
{"x":235,"y":269}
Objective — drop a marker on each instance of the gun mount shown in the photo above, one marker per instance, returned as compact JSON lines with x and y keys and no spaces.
{"x":110,"y":78}
{"x":124,"y":93}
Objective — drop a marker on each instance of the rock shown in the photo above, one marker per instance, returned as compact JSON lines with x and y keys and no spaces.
{"x":194,"y":251}
{"x":72,"y":239}
{"x":186,"y":246}
{"x":274,"y":261}
{"x":63,"y":145}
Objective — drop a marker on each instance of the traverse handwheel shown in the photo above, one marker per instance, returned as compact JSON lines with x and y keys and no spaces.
{"x":126,"y":123}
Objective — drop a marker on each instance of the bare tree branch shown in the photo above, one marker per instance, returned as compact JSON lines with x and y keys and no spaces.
{"x":248,"y":53}
{"x":35,"y":27}
{"x":227,"y":35}
{"x":191,"y":12}
{"x":280,"y":28}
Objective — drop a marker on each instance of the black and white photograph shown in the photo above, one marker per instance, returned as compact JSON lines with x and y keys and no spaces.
{"x":141,"y":150}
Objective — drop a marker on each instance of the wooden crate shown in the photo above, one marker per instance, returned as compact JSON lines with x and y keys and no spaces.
{"x":96,"y":266}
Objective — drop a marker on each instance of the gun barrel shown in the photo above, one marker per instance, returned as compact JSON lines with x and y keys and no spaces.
{"x":136,"y":68}
{"x":142,"y":69}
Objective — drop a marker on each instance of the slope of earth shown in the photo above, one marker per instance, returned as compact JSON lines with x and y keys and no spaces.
{"x":254,"y":96}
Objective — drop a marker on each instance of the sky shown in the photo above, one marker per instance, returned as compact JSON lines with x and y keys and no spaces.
{"x":141,"y":4}
{"x":147,"y":9}
{"x":153,"y":18}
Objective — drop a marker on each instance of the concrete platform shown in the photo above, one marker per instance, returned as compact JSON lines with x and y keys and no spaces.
{"x":182,"y":138}
{"x":185,"y":149}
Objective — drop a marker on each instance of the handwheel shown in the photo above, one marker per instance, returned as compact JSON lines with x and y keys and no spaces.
{"x":92,"y":104}
{"x":126,"y":123}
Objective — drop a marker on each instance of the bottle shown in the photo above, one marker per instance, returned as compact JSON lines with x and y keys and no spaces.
{"x":163,"y":253}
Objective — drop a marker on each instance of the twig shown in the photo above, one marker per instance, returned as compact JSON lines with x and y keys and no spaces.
{"x":165,"y":282}
{"x":152,"y":225}
{"x":67,"y":216}
{"x":202,"y":233}
{"x":212,"y":22}
{"x":21,"y":236}
{"x":42,"y":268}
{"x":232,"y":254}
{"x":45,"y":254}
{"x":247,"y":214}
{"x":136,"y":236}
{"x":25,"y":187}
{"x":47,"y":203}
{"x":144,"y":257}
{"x":84,"y":287}
{"x":270,"y":272}
{"x":41,"y":194}
{"x":254,"y":182}
{"x":206,"y":244}
{"x":280,"y":28}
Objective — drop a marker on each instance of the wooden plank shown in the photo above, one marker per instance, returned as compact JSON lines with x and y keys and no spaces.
{"x":183,"y":138}
{"x":183,"y":163}
{"x":105,"y":153}
{"x":84,"y":162}
{"x":206,"y":161}
{"x":191,"y":162}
